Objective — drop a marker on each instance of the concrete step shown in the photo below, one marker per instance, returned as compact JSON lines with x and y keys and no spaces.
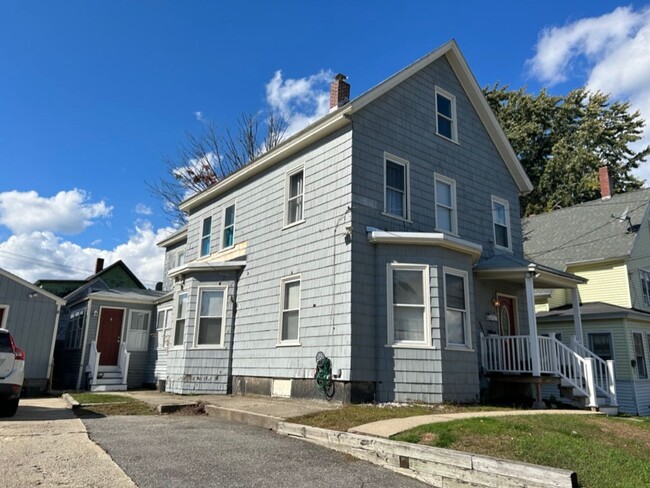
{"x":109,"y":369}
{"x":108,"y":388}
{"x":109,"y":375}
{"x":109,"y":381}
{"x":608,"y":410}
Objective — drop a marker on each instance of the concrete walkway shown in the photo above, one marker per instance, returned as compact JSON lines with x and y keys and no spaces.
{"x":387,"y":428}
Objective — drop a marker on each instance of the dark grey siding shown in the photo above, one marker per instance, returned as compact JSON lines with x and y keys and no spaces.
{"x":32,"y":320}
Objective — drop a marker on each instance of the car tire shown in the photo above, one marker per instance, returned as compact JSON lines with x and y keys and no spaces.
{"x":9,"y":408}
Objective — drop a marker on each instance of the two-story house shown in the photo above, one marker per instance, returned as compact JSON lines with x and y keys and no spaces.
{"x":606,"y":241}
{"x":385,"y":235}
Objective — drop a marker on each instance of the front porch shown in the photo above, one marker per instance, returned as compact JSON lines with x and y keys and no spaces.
{"x":534,"y":359}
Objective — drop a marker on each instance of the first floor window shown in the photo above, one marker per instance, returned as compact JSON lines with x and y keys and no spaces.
{"x":74,"y":334}
{"x":600,"y":344}
{"x":645,"y":286}
{"x":639,"y":355}
{"x":179,"y":326}
{"x":501,"y":222}
{"x":210,"y":316}
{"x":396,"y":187}
{"x":290,"y":314}
{"x":163,"y":327}
{"x":456,"y":308}
{"x":138,"y":334}
{"x":408,"y":299}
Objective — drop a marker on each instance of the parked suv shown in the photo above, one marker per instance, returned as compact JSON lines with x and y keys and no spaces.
{"x":12,"y":373}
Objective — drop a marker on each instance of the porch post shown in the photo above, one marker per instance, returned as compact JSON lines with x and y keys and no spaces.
{"x":577,"y":320}
{"x":532,"y":321}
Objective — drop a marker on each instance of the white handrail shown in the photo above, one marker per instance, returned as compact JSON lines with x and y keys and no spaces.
{"x":604,"y":375}
{"x":93,"y":363}
{"x":125,"y":357}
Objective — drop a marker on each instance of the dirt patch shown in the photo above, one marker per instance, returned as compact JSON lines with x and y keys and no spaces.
{"x":191,"y":410}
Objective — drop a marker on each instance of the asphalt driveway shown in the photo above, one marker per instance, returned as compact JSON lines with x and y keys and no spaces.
{"x":175,"y":451}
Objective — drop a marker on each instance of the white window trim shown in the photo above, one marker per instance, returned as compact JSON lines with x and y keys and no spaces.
{"x":454,"y":121}
{"x":166,"y":326}
{"x":3,"y":323}
{"x":468,"y":318}
{"x":175,"y":317}
{"x":646,"y":296}
{"x":644,"y":342}
{"x":128,"y":330}
{"x":426,"y":342}
{"x":197,"y":318}
{"x":407,"y":187}
{"x":506,"y":204}
{"x":223,"y":225}
{"x":454,"y":209}
{"x":283,"y":283}
{"x":287,"y":182}
{"x":204,"y":237}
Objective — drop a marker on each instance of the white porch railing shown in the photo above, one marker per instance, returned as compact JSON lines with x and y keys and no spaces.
{"x":93,"y":363}
{"x":604,"y":372}
{"x":512,"y":354}
{"x":123,"y":361}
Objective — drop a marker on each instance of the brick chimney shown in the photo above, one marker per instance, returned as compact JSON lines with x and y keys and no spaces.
{"x":339,"y":92}
{"x":605,"y":183}
{"x":99,"y":265}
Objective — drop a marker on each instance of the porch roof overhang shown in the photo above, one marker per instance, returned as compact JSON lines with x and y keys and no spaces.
{"x":509,"y":268}
{"x":206,"y":266}
{"x":426,"y":239}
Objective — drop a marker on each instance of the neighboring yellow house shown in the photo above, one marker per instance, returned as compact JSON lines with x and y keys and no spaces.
{"x":606,"y":241}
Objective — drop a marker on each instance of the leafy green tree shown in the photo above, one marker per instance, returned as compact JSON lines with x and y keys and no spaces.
{"x":562,"y":141}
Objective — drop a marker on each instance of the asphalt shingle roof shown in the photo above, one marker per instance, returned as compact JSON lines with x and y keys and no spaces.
{"x":587,"y":232}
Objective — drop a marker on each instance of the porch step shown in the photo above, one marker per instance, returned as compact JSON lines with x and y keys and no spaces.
{"x":108,"y":388}
{"x":110,"y":381}
{"x":608,"y":410}
{"x":101,"y":375}
{"x":109,"y":369}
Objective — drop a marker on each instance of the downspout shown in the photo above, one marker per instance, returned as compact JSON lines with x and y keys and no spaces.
{"x":229,"y":385}
{"x":50,"y":365}
{"x":83,"y":350}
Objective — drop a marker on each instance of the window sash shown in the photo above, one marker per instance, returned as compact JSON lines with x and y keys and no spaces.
{"x":600,"y":344}
{"x":408,"y":298}
{"x":210,"y":317}
{"x":445,"y":198}
{"x":229,"y":227}
{"x":396,"y":186}
{"x":501,"y":222}
{"x":179,"y":322}
{"x":74,"y":334}
{"x":138,"y":334}
{"x":290,"y":311}
{"x":639,"y":355}
{"x":456,"y":310}
{"x":295,"y":197}
{"x":205,"y":236}
{"x":445,"y":115}
{"x":645,"y":286}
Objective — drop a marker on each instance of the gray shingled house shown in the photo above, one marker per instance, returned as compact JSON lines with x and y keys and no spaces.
{"x":607,"y":242}
{"x":32,"y":316}
{"x":385,"y":235}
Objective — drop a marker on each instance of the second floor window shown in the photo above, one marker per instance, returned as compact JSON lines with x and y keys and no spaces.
{"x":446,"y":115}
{"x":445,"y":194}
{"x":295,"y":195}
{"x":396,"y":187}
{"x":205,"y":236}
{"x":639,"y":356}
{"x":501,"y":221}
{"x":645,"y":286}
{"x":228,"y":227}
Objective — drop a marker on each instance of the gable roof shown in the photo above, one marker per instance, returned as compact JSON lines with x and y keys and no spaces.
{"x":34,"y":288}
{"x":113,"y":267}
{"x":340,"y":118}
{"x":589,"y":232}
{"x":174,"y":238}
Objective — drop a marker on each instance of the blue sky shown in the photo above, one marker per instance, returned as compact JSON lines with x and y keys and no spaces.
{"x":94,"y":94}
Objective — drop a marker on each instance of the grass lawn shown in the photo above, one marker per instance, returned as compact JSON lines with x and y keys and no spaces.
{"x":104,"y":404}
{"x":605,"y":452}
{"x":350,"y":416}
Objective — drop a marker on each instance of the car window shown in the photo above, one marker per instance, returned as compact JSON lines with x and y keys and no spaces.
{"x":5,"y":343}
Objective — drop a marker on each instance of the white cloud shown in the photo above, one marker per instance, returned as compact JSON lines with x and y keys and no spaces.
{"x":142,"y":209}
{"x":41,"y":254}
{"x":613,"y":52}
{"x":68,"y":212}
{"x":302,"y":100}
{"x":199,"y":116}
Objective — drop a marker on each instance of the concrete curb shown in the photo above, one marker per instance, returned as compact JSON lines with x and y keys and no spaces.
{"x":72,"y":403}
{"x":250,"y":418}
{"x":432,"y":465}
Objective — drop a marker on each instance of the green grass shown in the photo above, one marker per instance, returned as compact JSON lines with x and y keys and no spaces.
{"x":105,"y":404}
{"x":604,"y":452}
{"x":350,"y":416}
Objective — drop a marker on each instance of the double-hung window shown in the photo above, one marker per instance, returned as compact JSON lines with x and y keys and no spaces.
{"x":501,"y":222}
{"x":163,"y":327}
{"x":639,"y":356}
{"x":138,"y":332}
{"x":396,"y":197}
{"x":446,"y":115}
{"x":295,"y":196}
{"x":74,"y":334}
{"x":445,"y":195}
{"x":290,"y":310}
{"x":228,"y":239}
{"x":645,"y":285}
{"x":179,"y":323}
{"x":210,"y":316}
{"x":601,"y":345}
{"x":205,"y":236}
{"x":457,"y":320}
{"x":409,"y":312}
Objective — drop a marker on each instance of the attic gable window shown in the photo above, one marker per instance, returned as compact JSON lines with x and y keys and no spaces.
{"x":645,"y":286}
{"x":205,"y":236}
{"x":396,"y":187}
{"x":501,"y":222}
{"x":446,"y":115}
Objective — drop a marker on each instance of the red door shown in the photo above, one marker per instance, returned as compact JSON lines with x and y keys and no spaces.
{"x":108,"y":338}
{"x":506,"y":316}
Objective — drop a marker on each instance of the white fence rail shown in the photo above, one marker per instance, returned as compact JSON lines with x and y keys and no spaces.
{"x":604,"y":372}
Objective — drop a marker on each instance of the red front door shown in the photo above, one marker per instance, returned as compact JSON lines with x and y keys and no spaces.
{"x":506,"y":311}
{"x":108,"y":338}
